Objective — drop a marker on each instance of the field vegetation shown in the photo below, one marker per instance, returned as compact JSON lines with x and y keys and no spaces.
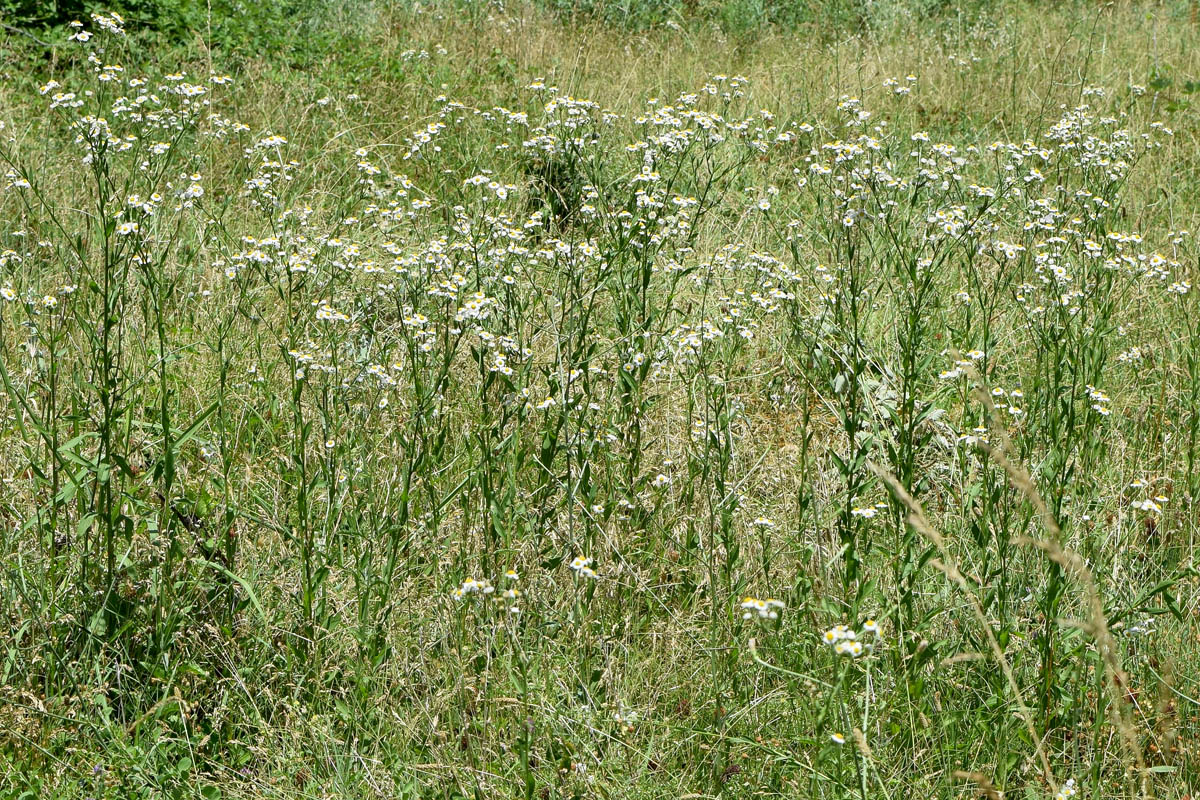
{"x":645,"y":400}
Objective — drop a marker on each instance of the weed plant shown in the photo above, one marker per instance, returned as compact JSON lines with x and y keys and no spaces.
{"x":521,"y":409}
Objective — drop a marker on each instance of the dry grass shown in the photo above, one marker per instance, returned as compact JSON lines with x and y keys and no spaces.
{"x":279,"y":617}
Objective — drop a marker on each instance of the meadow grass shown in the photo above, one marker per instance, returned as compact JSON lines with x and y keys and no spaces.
{"x":505,"y":404}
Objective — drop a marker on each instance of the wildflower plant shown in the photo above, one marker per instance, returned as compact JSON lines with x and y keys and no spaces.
{"x":490,"y":429}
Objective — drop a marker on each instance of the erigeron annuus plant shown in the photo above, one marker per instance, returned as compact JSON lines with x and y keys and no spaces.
{"x":843,"y":238}
{"x":634,"y":231}
{"x":640,"y":351}
{"x":919,"y":220}
{"x":1079,"y":263}
{"x":852,"y":689}
{"x":714,"y":464}
{"x":1182,"y":294}
{"x":114,"y":512}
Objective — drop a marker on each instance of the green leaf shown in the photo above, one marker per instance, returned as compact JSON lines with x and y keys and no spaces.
{"x":240,"y":581}
{"x":192,"y":429}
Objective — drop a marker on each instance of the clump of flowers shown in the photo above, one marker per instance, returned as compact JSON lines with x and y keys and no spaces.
{"x":1067,"y":791}
{"x":1150,"y":506}
{"x":472,"y":586}
{"x":582,"y":567}
{"x":845,"y":641}
{"x":482,"y":586}
{"x":765,"y":609}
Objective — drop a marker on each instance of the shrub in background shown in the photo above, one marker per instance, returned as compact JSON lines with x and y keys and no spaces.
{"x":225,"y":24}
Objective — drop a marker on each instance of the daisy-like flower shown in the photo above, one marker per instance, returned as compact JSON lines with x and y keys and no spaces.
{"x":844,"y":640}
{"x":473,"y":586}
{"x":1147,"y":505}
{"x":839,"y":633}
{"x":849,"y":648}
{"x":765,"y":609}
{"x":583,"y":567}
{"x":837,"y":739}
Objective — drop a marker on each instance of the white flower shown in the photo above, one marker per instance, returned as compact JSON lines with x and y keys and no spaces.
{"x":766,"y":609}
{"x":1067,"y":791}
{"x":1147,"y":505}
{"x":583,"y":567}
{"x":848,"y":648}
{"x":838,"y":634}
{"x":473,"y":586}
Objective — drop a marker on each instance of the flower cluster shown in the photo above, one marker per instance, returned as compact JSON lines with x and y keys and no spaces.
{"x":1067,"y":790}
{"x":582,"y":567}
{"x":845,"y":641}
{"x":765,"y":609}
{"x":483,"y":587}
{"x":472,"y":586}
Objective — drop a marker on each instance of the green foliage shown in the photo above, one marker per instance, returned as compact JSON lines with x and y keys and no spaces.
{"x":240,"y":27}
{"x":740,"y":17}
{"x":407,"y":425}
{"x":634,"y":14}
